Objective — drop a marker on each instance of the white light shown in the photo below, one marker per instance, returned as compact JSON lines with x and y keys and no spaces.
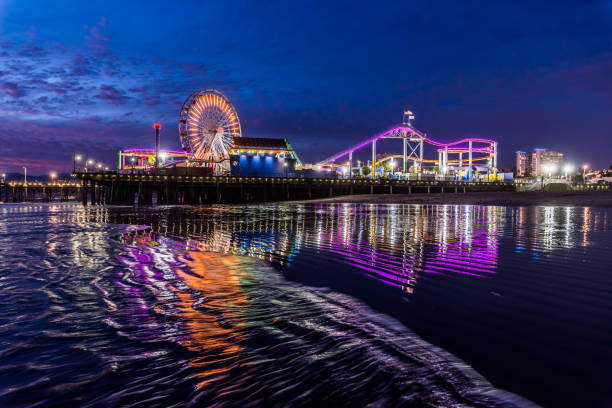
{"x":163,"y":155}
{"x":90,"y":161}
{"x":568,"y":168}
{"x":78,"y":157}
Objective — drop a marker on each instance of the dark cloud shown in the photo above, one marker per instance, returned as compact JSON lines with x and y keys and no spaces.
{"x":12,"y":89}
{"x":112,"y":95}
{"x":82,"y":66}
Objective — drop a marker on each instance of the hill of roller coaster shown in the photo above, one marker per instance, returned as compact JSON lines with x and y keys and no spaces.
{"x":407,"y":131}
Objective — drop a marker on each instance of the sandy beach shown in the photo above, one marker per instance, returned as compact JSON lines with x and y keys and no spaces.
{"x":569,"y":198}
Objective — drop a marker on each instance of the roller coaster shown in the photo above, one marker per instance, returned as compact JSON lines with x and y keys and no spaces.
{"x":480,"y":152}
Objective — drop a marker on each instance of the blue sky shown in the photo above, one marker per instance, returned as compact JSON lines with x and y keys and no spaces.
{"x":92,"y":77}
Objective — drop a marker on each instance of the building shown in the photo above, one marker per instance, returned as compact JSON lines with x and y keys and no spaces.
{"x":248,"y":156}
{"x":254,"y":156}
{"x":544,"y":161}
{"x":143,"y":159}
{"x":523,"y":164}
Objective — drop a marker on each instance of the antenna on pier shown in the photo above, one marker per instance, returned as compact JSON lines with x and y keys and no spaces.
{"x":408,"y":117}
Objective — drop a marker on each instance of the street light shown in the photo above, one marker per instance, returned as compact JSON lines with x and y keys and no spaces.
{"x":163,"y":156}
{"x":25,"y":176}
{"x":392,"y":166}
{"x":53,"y":176}
{"x":568,"y":168}
{"x":549,"y":168}
{"x":75,"y":158}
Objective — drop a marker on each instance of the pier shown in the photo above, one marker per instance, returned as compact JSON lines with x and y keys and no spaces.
{"x":110,"y":188}
{"x":13,"y":192}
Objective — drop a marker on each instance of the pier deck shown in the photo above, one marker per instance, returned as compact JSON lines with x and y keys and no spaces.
{"x":112,"y":188}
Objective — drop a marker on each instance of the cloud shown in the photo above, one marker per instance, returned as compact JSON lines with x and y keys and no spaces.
{"x":12,"y":89}
{"x":112,"y":95}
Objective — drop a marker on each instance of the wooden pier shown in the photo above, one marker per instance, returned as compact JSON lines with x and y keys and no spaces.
{"x":13,"y":192}
{"x":112,"y":188}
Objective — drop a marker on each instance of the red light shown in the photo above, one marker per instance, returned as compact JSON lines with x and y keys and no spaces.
{"x":157,"y":125}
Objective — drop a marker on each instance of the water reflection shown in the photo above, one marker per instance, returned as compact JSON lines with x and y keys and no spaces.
{"x":172,"y":312}
{"x":393,"y":244}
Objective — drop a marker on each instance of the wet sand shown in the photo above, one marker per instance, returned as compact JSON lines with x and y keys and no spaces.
{"x":567,"y":198}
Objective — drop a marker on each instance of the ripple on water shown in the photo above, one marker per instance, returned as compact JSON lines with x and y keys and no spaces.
{"x":188,"y":314}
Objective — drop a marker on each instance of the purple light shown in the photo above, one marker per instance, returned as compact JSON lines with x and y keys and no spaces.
{"x":414,"y":132}
{"x":153,"y":151}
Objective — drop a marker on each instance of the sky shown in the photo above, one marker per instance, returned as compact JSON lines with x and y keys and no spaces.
{"x":92,"y":77}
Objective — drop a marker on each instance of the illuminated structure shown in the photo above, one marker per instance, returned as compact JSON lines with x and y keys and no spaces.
{"x":523,"y":164}
{"x":208,"y":123}
{"x":144,"y":159}
{"x":469,"y":152}
{"x":543,"y":158}
{"x":262,"y":157}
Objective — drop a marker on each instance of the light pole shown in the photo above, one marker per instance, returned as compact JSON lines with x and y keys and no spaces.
{"x":157,"y":127}
{"x":25,"y":176}
{"x":392,"y":167}
{"x":53,"y":176}
{"x":584,"y":169}
{"x":89,"y":162}
{"x":285,"y":164}
{"x":75,"y":158}
{"x":545,"y":169}
{"x":568,"y":168}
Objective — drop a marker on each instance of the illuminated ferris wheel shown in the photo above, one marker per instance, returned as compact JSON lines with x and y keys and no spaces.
{"x":208,"y":123}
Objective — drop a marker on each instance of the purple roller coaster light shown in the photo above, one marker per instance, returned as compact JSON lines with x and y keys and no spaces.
{"x":414,"y":132}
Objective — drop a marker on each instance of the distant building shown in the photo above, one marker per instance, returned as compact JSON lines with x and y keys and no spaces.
{"x":541,"y":158}
{"x":523,"y":164}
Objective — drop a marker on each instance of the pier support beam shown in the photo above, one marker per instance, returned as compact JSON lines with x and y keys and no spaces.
{"x":470,"y":160}
{"x":373,"y":159}
{"x":405,"y":158}
{"x":421,"y":159}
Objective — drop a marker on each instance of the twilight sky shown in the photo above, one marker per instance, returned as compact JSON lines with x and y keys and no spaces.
{"x":91,"y":77}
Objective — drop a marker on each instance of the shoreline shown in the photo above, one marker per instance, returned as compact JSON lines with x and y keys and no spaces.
{"x":506,"y":198}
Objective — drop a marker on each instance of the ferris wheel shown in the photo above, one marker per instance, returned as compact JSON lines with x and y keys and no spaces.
{"x":208,"y":123}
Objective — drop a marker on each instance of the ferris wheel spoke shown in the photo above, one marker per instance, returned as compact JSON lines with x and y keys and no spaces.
{"x":210,"y":124}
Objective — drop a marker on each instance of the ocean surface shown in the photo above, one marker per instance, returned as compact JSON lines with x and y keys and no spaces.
{"x":305,"y":305}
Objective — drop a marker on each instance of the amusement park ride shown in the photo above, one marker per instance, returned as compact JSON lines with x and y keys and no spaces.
{"x":478,"y":151}
{"x":211,"y":139}
{"x":208,"y":124}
